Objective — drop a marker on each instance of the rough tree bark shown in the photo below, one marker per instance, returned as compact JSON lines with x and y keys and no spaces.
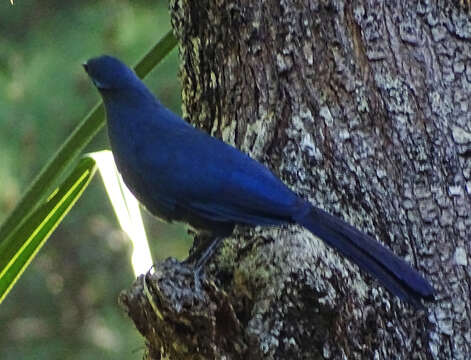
{"x":363,"y":107}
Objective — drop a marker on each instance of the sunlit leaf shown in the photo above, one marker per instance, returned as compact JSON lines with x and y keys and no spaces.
{"x":126,"y":208}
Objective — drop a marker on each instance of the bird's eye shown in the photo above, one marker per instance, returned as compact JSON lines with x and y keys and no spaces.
{"x":99,"y":84}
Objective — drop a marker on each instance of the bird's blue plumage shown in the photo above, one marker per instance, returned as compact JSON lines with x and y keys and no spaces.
{"x":181,"y":173}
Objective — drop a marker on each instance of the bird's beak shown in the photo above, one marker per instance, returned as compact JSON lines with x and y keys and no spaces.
{"x":85,"y":66}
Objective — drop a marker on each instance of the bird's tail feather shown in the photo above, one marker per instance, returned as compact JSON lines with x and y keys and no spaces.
{"x":393,"y":272}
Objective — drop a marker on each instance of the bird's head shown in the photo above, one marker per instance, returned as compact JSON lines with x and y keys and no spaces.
{"x":109,"y":73}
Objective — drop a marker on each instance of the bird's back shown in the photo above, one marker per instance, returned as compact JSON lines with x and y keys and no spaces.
{"x":171,"y":166}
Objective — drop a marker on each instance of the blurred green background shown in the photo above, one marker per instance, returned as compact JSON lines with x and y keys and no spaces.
{"x":65,"y":304}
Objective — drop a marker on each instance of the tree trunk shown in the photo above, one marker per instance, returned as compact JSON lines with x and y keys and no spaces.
{"x":362,"y":107}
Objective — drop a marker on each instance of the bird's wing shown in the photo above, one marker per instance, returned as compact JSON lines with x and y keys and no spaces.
{"x":247,"y":193}
{"x":213,"y":179}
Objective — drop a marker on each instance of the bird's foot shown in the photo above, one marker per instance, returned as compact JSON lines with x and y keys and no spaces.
{"x":200,"y":257}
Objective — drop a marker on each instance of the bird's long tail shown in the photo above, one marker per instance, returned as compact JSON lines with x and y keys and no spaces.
{"x":392,"y":272}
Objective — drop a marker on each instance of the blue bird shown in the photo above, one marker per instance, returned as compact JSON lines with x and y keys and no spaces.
{"x":182,"y":174}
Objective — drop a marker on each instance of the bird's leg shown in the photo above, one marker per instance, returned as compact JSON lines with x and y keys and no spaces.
{"x":204,"y":251}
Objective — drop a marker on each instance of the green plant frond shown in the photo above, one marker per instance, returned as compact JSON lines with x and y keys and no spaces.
{"x":44,"y":204}
{"x":20,"y":247}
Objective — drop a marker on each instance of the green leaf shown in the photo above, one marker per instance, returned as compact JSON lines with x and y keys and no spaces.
{"x":34,"y":218}
{"x":76,"y":142}
{"x":21,"y":245}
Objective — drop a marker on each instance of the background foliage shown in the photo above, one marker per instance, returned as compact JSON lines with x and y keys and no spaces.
{"x":65,"y":304}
